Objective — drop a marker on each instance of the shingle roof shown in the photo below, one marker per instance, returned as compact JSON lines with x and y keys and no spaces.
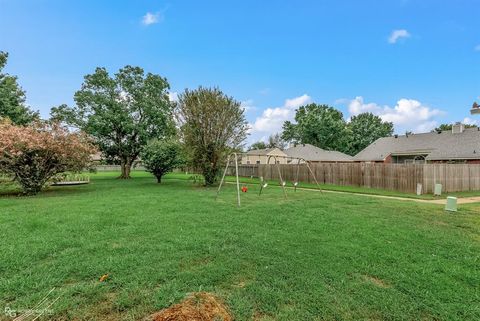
{"x":438,"y":146}
{"x":260,"y":152}
{"x":315,"y":154}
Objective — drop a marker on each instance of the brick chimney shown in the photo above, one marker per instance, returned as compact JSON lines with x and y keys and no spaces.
{"x":458,"y":128}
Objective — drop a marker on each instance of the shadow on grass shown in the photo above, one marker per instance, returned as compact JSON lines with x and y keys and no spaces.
{"x":49,"y":191}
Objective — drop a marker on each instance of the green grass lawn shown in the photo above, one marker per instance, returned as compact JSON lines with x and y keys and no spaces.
{"x":311,"y":257}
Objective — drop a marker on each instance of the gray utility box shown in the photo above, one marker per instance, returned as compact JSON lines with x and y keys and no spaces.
{"x":451,"y":204}
{"x":438,"y":190}
{"x":419,"y":189}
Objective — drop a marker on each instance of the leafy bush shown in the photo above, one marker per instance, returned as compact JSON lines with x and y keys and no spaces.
{"x":34,"y":154}
{"x":162,"y":156}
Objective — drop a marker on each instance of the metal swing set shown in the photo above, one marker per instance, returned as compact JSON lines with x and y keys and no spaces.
{"x":263,"y":183}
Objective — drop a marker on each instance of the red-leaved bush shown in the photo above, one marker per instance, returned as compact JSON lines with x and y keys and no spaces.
{"x":34,"y":154}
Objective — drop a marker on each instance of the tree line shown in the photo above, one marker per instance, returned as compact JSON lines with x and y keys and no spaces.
{"x":126,"y":115}
{"x":129,"y":115}
{"x":325,"y":127}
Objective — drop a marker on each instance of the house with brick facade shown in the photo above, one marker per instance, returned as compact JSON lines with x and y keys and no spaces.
{"x":459,"y":145}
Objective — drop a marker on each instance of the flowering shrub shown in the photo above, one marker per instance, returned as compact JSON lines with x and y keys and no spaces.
{"x":33,"y":154}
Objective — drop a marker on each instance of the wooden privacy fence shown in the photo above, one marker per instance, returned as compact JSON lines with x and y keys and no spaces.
{"x":397,"y":177}
{"x":116,"y":168}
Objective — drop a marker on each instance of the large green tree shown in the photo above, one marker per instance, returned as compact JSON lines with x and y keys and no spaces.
{"x":319,"y":125}
{"x":212,"y":124}
{"x":12,"y":97}
{"x":364,"y":129}
{"x":122,"y":112}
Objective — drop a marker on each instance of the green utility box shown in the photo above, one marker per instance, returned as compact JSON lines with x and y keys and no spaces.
{"x":451,"y":204}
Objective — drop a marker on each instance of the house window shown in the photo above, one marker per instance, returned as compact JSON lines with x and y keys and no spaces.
{"x":258,"y":162}
{"x":248,"y":162}
{"x":278,"y":162}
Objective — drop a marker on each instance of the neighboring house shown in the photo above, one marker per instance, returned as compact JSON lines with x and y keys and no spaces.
{"x":260,"y":156}
{"x":460,"y":145}
{"x":314,"y":154}
{"x":97,"y":158}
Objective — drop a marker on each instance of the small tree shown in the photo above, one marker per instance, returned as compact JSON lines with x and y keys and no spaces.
{"x":276,"y":141}
{"x":258,"y":145}
{"x":12,"y":97}
{"x":448,"y":127}
{"x":162,"y":156}
{"x":211,"y":124}
{"x":34,"y":154}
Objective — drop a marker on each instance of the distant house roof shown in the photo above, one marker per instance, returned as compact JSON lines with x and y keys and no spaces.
{"x":444,"y":145}
{"x":265,"y":152}
{"x":314,"y":154}
{"x":97,"y":156}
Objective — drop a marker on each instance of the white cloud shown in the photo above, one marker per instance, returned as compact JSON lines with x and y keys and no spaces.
{"x":470,"y":121}
{"x":272,"y":119}
{"x":297,"y":101}
{"x":173,"y":96}
{"x":248,"y":105}
{"x":407,"y":114}
{"x":477,"y":48}
{"x":151,"y":18}
{"x":397,"y":35}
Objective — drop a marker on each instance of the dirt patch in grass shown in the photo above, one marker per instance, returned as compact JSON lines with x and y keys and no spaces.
{"x":259,"y":316}
{"x":200,"y":306}
{"x":376,"y":281}
{"x":240,"y":284}
{"x":195,"y":263}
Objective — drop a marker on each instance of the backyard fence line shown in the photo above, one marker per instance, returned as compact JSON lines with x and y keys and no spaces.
{"x":397,"y":177}
{"x":108,"y":168}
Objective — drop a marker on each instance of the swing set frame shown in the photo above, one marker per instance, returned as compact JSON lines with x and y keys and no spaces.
{"x":299,"y":160}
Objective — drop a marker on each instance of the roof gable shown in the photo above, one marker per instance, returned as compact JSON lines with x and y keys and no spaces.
{"x":316,"y":154}
{"x":266,"y":152}
{"x":437,"y":146}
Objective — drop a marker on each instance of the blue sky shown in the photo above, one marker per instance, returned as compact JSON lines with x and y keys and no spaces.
{"x":413,"y":62}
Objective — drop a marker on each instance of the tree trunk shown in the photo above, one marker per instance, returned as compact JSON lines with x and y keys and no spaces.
{"x":125,"y":165}
{"x":158,"y":174}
